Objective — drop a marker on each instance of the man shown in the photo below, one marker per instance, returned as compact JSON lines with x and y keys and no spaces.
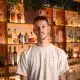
{"x":43,"y":61}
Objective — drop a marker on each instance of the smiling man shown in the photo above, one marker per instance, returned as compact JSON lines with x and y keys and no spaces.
{"x":43,"y":61}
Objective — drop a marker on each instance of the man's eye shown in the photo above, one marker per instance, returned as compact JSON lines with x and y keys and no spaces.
{"x":37,"y":28}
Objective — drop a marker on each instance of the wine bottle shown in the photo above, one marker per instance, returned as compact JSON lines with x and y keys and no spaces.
{"x":15,"y":56}
{"x":21,"y":38}
{"x":10,"y":57}
{"x":26,"y":38}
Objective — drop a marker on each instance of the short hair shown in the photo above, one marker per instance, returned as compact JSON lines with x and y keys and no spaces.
{"x":40,"y":18}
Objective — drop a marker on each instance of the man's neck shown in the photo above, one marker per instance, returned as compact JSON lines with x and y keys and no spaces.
{"x":43,"y":43}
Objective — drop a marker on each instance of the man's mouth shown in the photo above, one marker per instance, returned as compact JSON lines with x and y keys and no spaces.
{"x":41,"y":33}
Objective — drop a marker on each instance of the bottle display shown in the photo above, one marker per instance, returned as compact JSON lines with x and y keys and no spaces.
{"x":58,"y":34}
{"x":69,"y":34}
{"x":76,"y":34}
{"x":17,"y":13}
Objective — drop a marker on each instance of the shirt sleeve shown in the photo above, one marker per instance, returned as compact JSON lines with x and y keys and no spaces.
{"x":22,"y":66}
{"x":63,"y":63}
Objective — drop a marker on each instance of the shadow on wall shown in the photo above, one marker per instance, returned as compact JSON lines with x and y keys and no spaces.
{"x":29,"y":16}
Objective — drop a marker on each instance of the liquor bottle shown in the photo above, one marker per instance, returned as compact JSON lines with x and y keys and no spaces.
{"x":75,"y":49}
{"x":70,"y":52}
{"x":19,"y":17}
{"x":26,"y":38}
{"x":69,"y":34}
{"x":60,"y":35}
{"x":75,"y":37}
{"x":56,"y":34}
{"x":10,"y":57}
{"x":12,"y":17}
{"x":0,"y":38}
{"x":78,"y":34}
{"x":15,"y":56}
{"x":14,"y":37}
{"x":31,"y":37}
{"x":20,"y":38}
{"x":9,"y":36}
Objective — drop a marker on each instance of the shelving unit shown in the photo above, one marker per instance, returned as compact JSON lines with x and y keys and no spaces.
{"x":69,"y":24}
{"x":20,"y":28}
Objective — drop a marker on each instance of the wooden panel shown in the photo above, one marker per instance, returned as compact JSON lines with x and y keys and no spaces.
{"x":29,"y":16}
{"x":59,"y":16}
{"x":2,"y":11}
{"x":48,"y":12}
{"x":3,"y":33}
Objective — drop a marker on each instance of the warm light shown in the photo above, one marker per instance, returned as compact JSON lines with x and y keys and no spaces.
{"x":70,"y":70}
{"x":22,"y":19}
{"x":77,"y":0}
{"x":74,"y":55}
{"x":79,"y":55}
{"x":17,"y":14}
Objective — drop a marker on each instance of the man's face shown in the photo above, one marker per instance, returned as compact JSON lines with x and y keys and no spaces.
{"x":41,"y":29}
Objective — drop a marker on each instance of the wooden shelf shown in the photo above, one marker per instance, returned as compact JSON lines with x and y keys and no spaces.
{"x":72,"y":42}
{"x":72,"y":26}
{"x":22,"y":44}
{"x":15,"y":23}
{"x":12,"y":69}
{"x":19,"y":25}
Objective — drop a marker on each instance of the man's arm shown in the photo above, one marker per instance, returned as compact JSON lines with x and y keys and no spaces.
{"x":23,"y":77}
{"x":63,"y":66}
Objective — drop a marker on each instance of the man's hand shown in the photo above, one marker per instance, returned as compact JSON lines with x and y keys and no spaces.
{"x":63,"y":76}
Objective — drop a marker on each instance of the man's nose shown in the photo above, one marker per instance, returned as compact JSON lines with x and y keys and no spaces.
{"x":40,"y":29}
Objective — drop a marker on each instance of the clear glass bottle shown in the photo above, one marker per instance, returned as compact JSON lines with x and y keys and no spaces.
{"x":15,"y":37}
